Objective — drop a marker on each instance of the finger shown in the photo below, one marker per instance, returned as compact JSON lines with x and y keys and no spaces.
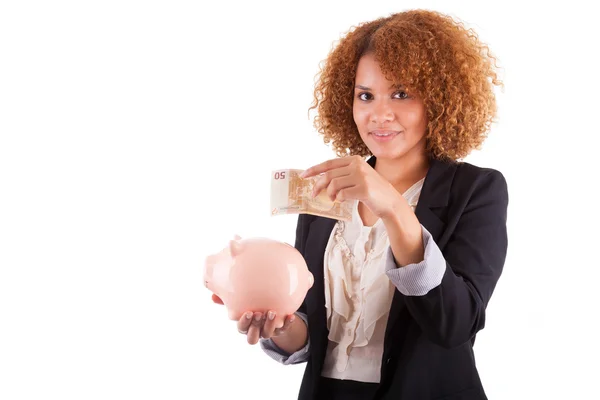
{"x":337,"y":184}
{"x":254,"y":328}
{"x":217,"y":299}
{"x":269,"y":326}
{"x":326,"y":166}
{"x":244,"y":322}
{"x":325,"y":180}
{"x":350,"y":193}
{"x":286,"y":325}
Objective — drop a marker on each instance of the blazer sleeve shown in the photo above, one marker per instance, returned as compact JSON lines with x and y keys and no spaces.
{"x":453,"y":312}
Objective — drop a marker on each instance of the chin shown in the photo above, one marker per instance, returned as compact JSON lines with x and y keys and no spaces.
{"x":387,"y":154}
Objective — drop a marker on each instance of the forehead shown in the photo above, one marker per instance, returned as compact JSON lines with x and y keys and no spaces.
{"x":369,"y":74}
{"x":368,"y":65}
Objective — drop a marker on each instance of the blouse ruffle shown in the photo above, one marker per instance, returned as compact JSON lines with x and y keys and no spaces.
{"x":357,"y":290}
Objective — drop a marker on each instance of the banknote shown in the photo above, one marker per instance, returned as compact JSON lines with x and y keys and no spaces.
{"x":291,"y":194}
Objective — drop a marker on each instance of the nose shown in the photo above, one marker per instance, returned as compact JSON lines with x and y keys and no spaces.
{"x":381,"y":113}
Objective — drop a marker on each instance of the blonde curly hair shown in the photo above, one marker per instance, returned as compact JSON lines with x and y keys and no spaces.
{"x":427,"y":52}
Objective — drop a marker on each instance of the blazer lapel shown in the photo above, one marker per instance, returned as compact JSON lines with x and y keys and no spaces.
{"x":434,"y":195}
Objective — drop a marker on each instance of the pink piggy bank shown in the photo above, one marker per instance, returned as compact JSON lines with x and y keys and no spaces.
{"x":258,"y":274}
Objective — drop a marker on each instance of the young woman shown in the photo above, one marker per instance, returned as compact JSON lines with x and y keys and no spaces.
{"x":400,"y":292}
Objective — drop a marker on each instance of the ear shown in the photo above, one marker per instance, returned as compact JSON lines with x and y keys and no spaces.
{"x":235,"y":247}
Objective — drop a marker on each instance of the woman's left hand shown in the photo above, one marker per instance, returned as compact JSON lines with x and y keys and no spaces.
{"x":352,"y":178}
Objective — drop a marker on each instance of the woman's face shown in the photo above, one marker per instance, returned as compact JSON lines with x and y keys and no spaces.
{"x":391,"y":122}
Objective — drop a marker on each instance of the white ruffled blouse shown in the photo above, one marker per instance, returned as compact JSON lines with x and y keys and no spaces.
{"x":358,"y":295}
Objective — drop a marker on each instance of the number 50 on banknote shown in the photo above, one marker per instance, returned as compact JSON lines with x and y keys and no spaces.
{"x":291,"y":194}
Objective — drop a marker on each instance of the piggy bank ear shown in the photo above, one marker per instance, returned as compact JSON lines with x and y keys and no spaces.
{"x":235,"y":247}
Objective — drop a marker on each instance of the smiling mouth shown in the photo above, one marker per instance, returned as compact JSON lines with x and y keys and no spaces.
{"x":383,"y":134}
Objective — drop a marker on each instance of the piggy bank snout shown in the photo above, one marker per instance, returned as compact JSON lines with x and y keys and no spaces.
{"x":207,"y":269}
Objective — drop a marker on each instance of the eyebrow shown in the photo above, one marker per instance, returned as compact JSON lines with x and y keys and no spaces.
{"x":361,"y":87}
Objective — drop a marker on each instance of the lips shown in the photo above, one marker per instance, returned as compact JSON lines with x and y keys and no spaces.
{"x":384,"y":133}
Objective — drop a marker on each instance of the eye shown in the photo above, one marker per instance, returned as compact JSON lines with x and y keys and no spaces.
{"x":365,"y":96}
{"x":401,"y":95}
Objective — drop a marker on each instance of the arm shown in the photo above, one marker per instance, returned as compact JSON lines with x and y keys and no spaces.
{"x":453,"y":311}
{"x":281,"y":348}
{"x":418,"y":279}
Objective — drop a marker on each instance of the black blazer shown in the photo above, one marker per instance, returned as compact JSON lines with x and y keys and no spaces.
{"x":428,"y":348}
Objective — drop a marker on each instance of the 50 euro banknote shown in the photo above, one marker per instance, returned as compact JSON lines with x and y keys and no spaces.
{"x":291,"y":194}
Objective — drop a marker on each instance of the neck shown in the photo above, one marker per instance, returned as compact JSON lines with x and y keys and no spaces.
{"x":402,"y":171}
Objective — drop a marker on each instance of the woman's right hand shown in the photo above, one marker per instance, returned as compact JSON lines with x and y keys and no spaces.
{"x":256,"y":325}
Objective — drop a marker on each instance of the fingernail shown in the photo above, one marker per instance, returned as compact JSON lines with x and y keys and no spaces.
{"x":248,"y":315}
{"x":271,"y":315}
{"x":303,"y":174}
{"x":292,"y":318}
{"x":258,"y":317}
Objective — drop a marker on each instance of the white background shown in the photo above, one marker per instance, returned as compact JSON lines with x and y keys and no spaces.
{"x":137,"y":137}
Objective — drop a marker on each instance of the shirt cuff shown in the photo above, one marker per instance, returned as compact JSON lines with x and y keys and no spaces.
{"x":418,"y":279}
{"x":283,"y":357}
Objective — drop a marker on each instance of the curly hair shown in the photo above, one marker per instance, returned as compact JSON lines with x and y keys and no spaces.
{"x":428,"y":53}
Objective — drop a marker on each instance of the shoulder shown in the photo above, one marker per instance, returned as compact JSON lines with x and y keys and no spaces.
{"x":480,"y":184}
{"x":469,"y":172}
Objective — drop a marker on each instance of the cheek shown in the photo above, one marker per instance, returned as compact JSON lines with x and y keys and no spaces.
{"x":414,"y":118}
{"x":360,"y":118}
{"x":421,"y":122}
